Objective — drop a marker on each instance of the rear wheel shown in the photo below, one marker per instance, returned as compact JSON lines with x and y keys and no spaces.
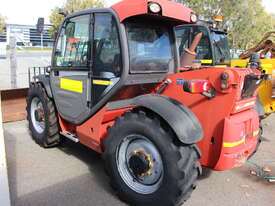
{"x":42,"y":117}
{"x":146,"y":165}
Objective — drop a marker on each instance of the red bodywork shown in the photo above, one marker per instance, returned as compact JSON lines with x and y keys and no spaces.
{"x":230,"y":135}
{"x":230,"y":125}
{"x":171,"y":10}
{"x":222,"y":124}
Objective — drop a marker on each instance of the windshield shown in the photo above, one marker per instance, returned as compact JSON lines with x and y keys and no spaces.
{"x":221,"y":48}
{"x":186,"y":34}
{"x":150,"y":48}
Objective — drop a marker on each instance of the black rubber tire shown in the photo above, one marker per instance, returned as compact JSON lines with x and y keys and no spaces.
{"x":181,"y":166}
{"x":260,"y":139}
{"x":206,"y":172}
{"x":50,"y":136}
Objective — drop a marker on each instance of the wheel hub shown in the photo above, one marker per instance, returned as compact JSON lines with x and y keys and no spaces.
{"x":39,"y":115}
{"x":140,"y":163}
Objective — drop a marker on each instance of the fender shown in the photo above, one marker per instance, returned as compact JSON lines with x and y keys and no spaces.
{"x":181,"y":119}
{"x":45,"y":81}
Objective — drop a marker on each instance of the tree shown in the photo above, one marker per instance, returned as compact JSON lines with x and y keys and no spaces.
{"x":70,"y":6}
{"x":246,"y":20}
{"x":2,"y":24}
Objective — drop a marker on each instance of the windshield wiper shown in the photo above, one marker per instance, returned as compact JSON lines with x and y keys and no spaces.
{"x":223,"y":55}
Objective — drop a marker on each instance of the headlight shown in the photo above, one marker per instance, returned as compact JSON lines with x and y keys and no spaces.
{"x":154,"y":7}
{"x":194,"y":18}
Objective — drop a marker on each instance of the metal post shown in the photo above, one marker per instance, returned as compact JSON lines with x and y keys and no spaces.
{"x":13,"y":62}
{"x":42,"y":41}
{"x":4,"y":186}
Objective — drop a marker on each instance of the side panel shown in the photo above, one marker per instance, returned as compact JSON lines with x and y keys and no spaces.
{"x":92,"y":132}
{"x":239,"y":139}
{"x":210,"y":112}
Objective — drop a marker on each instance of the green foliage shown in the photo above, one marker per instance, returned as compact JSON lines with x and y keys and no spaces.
{"x":246,"y":20}
{"x":2,"y":24}
{"x":70,"y":6}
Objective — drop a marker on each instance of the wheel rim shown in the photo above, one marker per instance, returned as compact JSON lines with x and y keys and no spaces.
{"x":37,"y":115}
{"x":139,"y":164}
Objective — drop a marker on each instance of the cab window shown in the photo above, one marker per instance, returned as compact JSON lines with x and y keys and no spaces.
{"x":73,"y":42}
{"x":106,"y":45}
{"x":150,"y":47}
{"x":185,"y":36}
{"x":182,"y":38}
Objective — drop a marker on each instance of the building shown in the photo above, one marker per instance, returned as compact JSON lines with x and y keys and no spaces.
{"x":27,"y":35}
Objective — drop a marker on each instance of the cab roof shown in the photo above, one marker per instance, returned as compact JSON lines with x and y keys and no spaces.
{"x":176,"y":12}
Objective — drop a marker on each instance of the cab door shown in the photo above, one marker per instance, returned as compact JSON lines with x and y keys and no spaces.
{"x":70,"y":79}
{"x":107,"y":59}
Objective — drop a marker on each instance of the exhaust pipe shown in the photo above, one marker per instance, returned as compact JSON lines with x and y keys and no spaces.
{"x":189,"y":56}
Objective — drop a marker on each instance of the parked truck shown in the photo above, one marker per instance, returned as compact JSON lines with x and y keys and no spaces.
{"x":116,"y":85}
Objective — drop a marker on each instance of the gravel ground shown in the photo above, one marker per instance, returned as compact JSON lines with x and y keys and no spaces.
{"x":73,"y":175}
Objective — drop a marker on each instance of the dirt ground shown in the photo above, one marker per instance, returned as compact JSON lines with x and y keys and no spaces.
{"x":73,"y":175}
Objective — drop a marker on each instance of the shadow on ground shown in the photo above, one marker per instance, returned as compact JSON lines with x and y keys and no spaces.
{"x":86,"y":184}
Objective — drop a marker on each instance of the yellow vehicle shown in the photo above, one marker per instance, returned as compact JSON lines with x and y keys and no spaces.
{"x":267,"y":66}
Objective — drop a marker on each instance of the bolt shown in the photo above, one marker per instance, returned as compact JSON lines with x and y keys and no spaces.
{"x":149,"y":157}
{"x":149,"y":173}
{"x":151,"y":165}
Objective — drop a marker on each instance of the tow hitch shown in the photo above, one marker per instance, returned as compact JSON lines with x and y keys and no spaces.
{"x":262,"y":172}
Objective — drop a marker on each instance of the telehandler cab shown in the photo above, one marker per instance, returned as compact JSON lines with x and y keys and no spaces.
{"x":116,"y":86}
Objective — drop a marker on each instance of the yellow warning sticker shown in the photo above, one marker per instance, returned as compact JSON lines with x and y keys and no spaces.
{"x":102,"y":82}
{"x":255,"y":133}
{"x":206,"y":61}
{"x":233,"y":144}
{"x":71,"y":85}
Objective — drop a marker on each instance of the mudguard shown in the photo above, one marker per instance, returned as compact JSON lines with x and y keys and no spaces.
{"x":45,"y":81}
{"x":181,"y":119}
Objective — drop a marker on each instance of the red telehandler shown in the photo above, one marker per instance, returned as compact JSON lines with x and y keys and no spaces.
{"x":116,"y":85}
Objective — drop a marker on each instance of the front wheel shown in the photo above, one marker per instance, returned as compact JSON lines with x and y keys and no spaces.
{"x":145,"y":163}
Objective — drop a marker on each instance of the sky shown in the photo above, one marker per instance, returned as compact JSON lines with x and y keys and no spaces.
{"x":28,"y":11}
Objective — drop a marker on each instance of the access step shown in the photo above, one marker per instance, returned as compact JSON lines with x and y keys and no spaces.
{"x":70,"y":136}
